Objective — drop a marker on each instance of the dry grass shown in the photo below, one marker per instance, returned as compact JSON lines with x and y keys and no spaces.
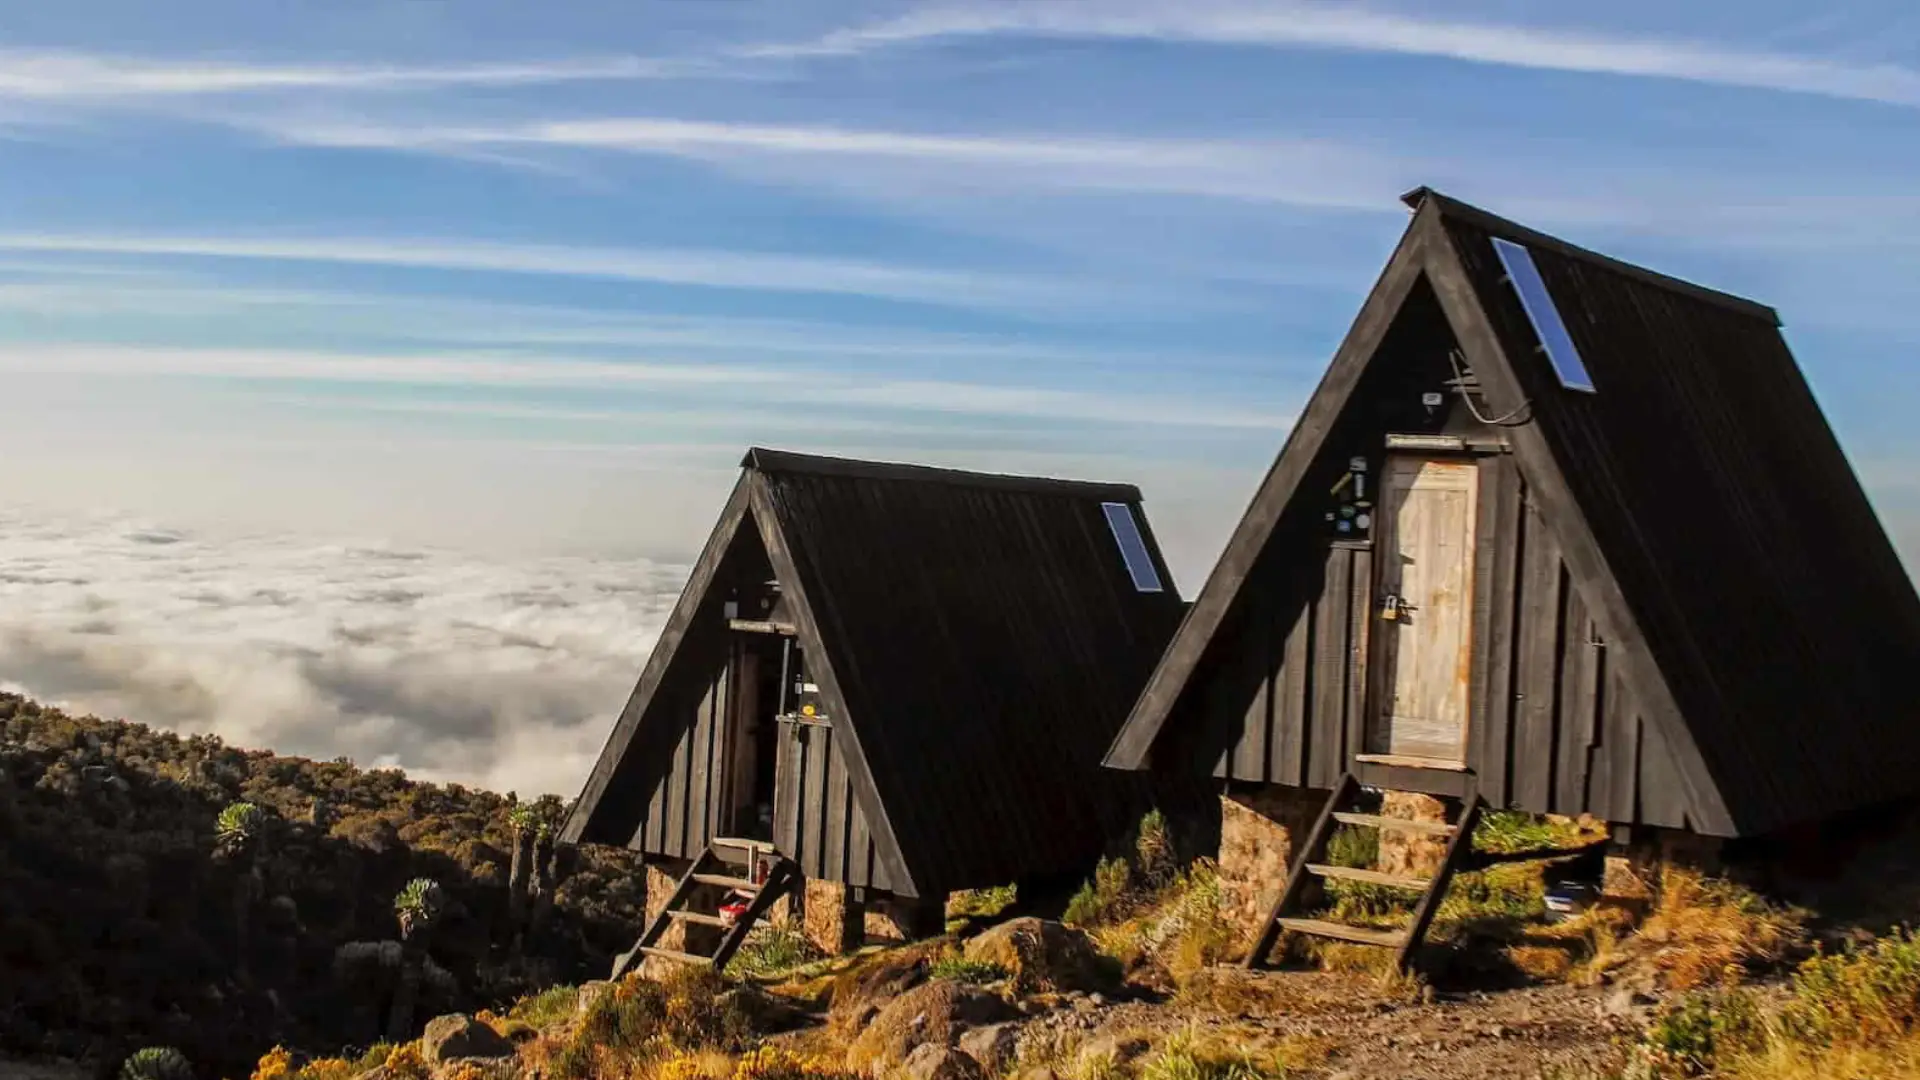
{"x":1782,"y":1061}
{"x":1233,"y":991}
{"x":1179,"y":929}
{"x":1705,"y":931}
{"x":1215,"y":1052}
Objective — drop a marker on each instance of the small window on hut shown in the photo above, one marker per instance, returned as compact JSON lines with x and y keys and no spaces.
{"x":1133,"y":548}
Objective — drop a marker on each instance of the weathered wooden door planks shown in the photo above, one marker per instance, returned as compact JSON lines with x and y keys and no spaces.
{"x":1424,"y":614}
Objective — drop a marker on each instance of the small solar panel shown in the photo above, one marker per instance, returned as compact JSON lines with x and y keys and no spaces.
{"x":1133,"y":548}
{"x":1544,"y":316}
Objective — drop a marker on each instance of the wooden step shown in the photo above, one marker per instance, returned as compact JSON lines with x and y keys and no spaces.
{"x":1375,"y":821}
{"x":1391,"y":939}
{"x":700,"y":917}
{"x":672,"y":954}
{"x":1371,"y":877}
{"x":742,"y":842}
{"x":727,"y":880}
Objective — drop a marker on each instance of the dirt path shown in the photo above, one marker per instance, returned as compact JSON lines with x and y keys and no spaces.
{"x":1525,"y":1034}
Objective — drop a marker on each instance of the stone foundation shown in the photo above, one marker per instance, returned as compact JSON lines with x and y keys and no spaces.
{"x":662,"y":878}
{"x":1411,"y":854}
{"x":827,"y":916}
{"x":1634,"y":873}
{"x":1258,"y":829}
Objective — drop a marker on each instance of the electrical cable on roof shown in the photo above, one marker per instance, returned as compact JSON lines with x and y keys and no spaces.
{"x":1460,"y":379}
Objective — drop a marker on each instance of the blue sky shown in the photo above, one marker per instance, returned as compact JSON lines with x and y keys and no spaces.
{"x":492,"y":274}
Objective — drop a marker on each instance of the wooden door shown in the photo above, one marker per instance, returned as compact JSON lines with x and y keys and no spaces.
{"x":1424,"y":609}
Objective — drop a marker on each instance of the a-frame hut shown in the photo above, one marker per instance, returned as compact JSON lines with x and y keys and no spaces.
{"x":1560,"y":532}
{"x":899,"y":679}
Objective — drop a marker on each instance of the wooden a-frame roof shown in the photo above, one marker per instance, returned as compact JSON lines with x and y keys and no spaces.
{"x":1707,"y":513}
{"x":977,"y":639}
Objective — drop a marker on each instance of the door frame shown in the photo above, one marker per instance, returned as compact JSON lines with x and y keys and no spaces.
{"x":1378,"y":641}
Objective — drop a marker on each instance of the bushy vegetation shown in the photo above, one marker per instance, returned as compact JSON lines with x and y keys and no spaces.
{"x":1854,"y":1015}
{"x":1158,"y":919}
{"x":965,"y":907}
{"x":1709,"y":931}
{"x":679,"y":1026}
{"x":156,"y":1063}
{"x":772,"y":950}
{"x":960,"y":969}
{"x":129,"y":858}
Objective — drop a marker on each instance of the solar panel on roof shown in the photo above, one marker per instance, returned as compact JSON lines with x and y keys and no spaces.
{"x":1544,"y":316}
{"x":1133,"y":548}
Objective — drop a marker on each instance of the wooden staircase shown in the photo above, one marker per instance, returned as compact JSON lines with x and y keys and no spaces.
{"x":726,"y":864}
{"x":1310,"y":867}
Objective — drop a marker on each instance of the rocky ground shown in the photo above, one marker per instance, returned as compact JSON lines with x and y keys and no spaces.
{"x":1297,"y":1023}
{"x":1508,"y":1035}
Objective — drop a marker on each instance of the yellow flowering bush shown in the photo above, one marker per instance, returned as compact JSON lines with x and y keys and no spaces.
{"x":328,"y":1069}
{"x":406,"y":1062}
{"x":274,"y":1065}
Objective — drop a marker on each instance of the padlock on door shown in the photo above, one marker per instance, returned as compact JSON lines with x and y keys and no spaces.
{"x":1392,"y":606}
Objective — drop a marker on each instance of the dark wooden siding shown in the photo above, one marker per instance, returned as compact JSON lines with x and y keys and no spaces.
{"x":1553,"y":726}
{"x":818,"y":820}
{"x":1739,"y":537}
{"x":684,"y":792}
{"x":1293,"y":715}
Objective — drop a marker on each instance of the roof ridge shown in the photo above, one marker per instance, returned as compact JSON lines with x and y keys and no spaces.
{"x":764,"y":460}
{"x":1448,"y":206}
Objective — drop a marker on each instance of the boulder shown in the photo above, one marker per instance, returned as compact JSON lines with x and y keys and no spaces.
{"x":995,"y":1046}
{"x":1045,"y":955}
{"x":931,"y":1062}
{"x":934,"y":1013}
{"x":457,"y":1036}
{"x":859,"y":995}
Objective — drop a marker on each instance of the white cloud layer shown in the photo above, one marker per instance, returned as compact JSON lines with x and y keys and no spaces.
{"x":1304,"y":172}
{"x":745,"y":386}
{"x":46,"y":74}
{"x":506,"y":674}
{"x":1360,"y":28}
{"x":761,"y":271}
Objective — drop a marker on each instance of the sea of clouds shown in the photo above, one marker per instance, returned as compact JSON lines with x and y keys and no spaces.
{"x":503,"y":673}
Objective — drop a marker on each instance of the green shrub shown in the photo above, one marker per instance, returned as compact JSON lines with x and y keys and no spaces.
{"x":1155,"y":862}
{"x":376,"y":1056}
{"x":1354,"y":846}
{"x":1102,"y":898}
{"x":156,"y":1063}
{"x":1516,"y":830}
{"x":641,"y":1019}
{"x":981,"y":903}
{"x":546,"y":1008}
{"x":1864,"y":996}
{"x":1690,"y":1037}
{"x":773,"y":950}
